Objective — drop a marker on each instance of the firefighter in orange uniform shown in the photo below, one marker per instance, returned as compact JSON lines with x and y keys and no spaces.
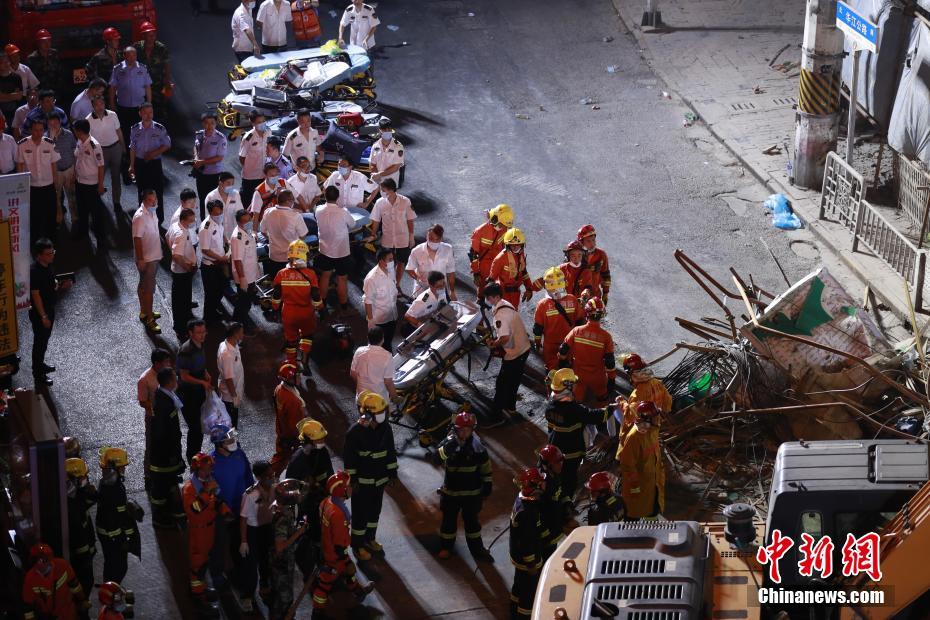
{"x":51,"y":589}
{"x":487,"y":241}
{"x":334,"y":544}
{"x":645,"y":388}
{"x":289,"y":410}
{"x":589,"y":350}
{"x":509,"y":269}
{"x":115,"y":602}
{"x":299,"y":293}
{"x":202,"y":506}
{"x":596,"y":261}
{"x":556,"y":314}
{"x":578,"y":280}
{"x":642,"y":466}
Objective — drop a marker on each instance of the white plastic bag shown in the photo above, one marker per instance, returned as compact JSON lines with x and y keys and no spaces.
{"x":213,"y":413}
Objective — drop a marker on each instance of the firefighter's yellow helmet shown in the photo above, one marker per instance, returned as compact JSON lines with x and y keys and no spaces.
{"x":501,"y":214}
{"x":514,"y":236}
{"x":370,"y":402}
{"x":554,"y":279}
{"x":310,"y":430}
{"x":562,"y":379}
{"x":75,"y":468}
{"x":113,"y":457}
{"x":297,"y":250}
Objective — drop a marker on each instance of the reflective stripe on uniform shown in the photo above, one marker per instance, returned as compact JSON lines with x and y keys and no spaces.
{"x":593,"y":343}
{"x":109,"y":533}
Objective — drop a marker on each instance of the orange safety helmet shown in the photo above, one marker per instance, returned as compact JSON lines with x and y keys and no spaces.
{"x":287,"y":372}
{"x":200,"y":461}
{"x":586,"y":231}
{"x":595,"y":309}
{"x":598,"y":482}
{"x":41,"y":551}
{"x":646,"y":410}
{"x":111,"y":34}
{"x":147,"y":27}
{"x":10,"y":49}
{"x":43,"y":35}
{"x":338,"y":484}
{"x":530,"y":481}
{"x":466,"y":419}
{"x":111,"y":593}
{"x":633,"y":362}
{"x":573,"y":247}
{"x":551,"y":455}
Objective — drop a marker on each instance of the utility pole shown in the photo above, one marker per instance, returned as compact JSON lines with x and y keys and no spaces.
{"x":652,"y":16}
{"x":817,"y":118}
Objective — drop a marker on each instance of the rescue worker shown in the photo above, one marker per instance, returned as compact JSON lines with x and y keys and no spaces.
{"x":371,"y":460}
{"x":487,"y":241}
{"x":266,"y":192}
{"x":289,"y":409}
{"x":642,"y":466}
{"x":596,"y":261}
{"x":555,"y":508}
{"x":512,"y":343}
{"x":556,"y":314}
{"x":116,"y":516}
{"x":362,"y":23}
{"x":606,"y":505}
{"x":45,"y":63}
{"x":306,"y":22}
{"x":115,"y":601}
{"x":645,"y":388}
{"x":335,"y":540}
{"x":51,"y":589}
{"x":166,"y":463}
{"x":233,"y":473}
{"x":82,"y":542}
{"x":313,"y":466}
{"x":578,"y":281}
{"x":509,"y":268}
{"x":526,"y":542}
{"x":287,"y":531}
{"x":298,"y":294}
{"x":101,"y":64}
{"x":352,"y":186}
{"x":72,"y":447}
{"x":154,"y":55}
{"x":203,"y":507}
{"x":589,"y":350}
{"x":566,"y":420}
{"x":252,"y":156}
{"x":467,"y":482}
{"x":387,"y":155}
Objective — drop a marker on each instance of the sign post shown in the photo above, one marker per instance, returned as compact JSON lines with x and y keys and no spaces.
{"x":861,"y":34}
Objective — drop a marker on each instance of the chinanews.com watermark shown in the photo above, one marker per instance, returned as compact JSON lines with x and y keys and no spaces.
{"x":782,"y":596}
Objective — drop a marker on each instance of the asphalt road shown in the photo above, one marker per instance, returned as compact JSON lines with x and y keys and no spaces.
{"x":521,"y":102}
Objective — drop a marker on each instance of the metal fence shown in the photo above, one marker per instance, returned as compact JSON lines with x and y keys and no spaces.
{"x":843,"y":188}
{"x":912,"y":182}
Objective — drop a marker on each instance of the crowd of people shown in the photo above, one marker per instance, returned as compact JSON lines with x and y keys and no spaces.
{"x":251,"y":523}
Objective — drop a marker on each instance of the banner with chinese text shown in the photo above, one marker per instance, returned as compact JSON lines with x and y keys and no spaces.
{"x":14,"y":207}
{"x":9,"y":333}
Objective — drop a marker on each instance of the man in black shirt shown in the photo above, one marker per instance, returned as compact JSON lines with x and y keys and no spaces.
{"x":11,"y":90}
{"x":194,"y":383}
{"x":43,"y":289}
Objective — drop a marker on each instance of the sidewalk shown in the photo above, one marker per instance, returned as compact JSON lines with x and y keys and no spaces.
{"x":737,"y":66}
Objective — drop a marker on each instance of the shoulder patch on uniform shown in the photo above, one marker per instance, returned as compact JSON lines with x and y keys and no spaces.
{"x":498,"y":323}
{"x":47,"y":139}
{"x":426,"y":296}
{"x":239,"y":235}
{"x":21,"y":140}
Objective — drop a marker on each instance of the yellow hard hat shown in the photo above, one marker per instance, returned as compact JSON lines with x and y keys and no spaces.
{"x":113,"y":457}
{"x":310,"y":430}
{"x":501,"y":214}
{"x":514,"y":236}
{"x":297,"y":250}
{"x":554,"y":279}
{"x":75,"y":468}
{"x":370,"y":402}
{"x":562,"y":379}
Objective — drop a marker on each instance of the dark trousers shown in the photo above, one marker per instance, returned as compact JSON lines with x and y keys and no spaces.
{"x":90,"y":206}
{"x":192,"y":396}
{"x":40,"y":338}
{"x":206,"y":183}
{"x":271,"y":49}
{"x":240,"y":56}
{"x":83,"y":566}
{"x":469,"y":507}
{"x":366,"y":510}
{"x":570,"y":477}
{"x":149,"y":175}
{"x":43,"y":205}
{"x":508,"y":383}
{"x":233,"y":412}
{"x":522,"y":593}
{"x":247,"y":189}
{"x":242,"y":304}
{"x":217,"y":557}
{"x":214,"y":281}
{"x":182,"y":285}
{"x":165,"y":497}
{"x":255,"y":567}
{"x":127,"y":118}
{"x":388,"y":328}
{"x":115,"y":560}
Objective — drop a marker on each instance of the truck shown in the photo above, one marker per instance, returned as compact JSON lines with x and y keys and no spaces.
{"x":686,"y":570}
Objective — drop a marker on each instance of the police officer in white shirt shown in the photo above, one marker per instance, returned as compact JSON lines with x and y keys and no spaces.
{"x":333,"y":226}
{"x":426,"y":303}
{"x":380,"y":296}
{"x":245,"y":268}
{"x":7,"y":149}
{"x":252,"y":155}
{"x":273,"y":17}
{"x":304,"y":140}
{"x":362,"y":23}
{"x":387,"y":155}
{"x":433,"y":255}
{"x":230,"y":381}
{"x":229,"y":196}
{"x":352,"y":185}
{"x":243,"y":32}
{"x":184,"y":262}
{"x":36,"y":154}
{"x":372,"y":367}
{"x":304,"y":186}
{"x":282,"y":225}
{"x":213,"y":262}
{"x":394,"y":215}
{"x":88,"y":186}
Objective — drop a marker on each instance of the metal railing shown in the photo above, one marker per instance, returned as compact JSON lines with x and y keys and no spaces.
{"x":843,"y":188}
{"x":913,"y":190}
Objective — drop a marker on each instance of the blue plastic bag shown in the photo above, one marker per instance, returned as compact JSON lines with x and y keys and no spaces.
{"x":782,"y":215}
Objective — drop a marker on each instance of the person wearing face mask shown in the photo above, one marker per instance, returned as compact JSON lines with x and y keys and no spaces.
{"x":304,"y":186}
{"x":82,"y":540}
{"x":165,"y":461}
{"x":148,"y":141}
{"x":578,"y":280}
{"x":245,"y":268}
{"x":184,"y":264}
{"x":298,"y":295}
{"x":203,"y":507}
{"x":642,"y":466}
{"x":487,"y":241}
{"x":252,"y":155}
{"x":512,"y":343}
{"x":312,"y":465}
{"x":116,"y":516}
{"x":595,"y":260}
{"x":226,"y":192}
{"x":380,"y":298}
{"x":387,"y":155}
{"x":370,"y":458}
{"x":209,"y":151}
{"x":256,"y":535}
{"x":289,"y":409}
{"x":394,"y":215}
{"x":424,"y":305}
{"x":333,"y":224}
{"x":589,"y":350}
{"x":304,"y":140}
{"x":556,"y":314}
{"x":266,"y":193}
{"x":273,"y":156}
{"x":352,"y":186}
{"x":244,"y":43}
{"x":273,"y":17}
{"x":606,"y":504}
{"x":231,"y":374}
{"x":50,"y":587}
{"x":214,"y":261}
{"x":146,"y":242}
{"x":432,"y":255}
{"x":645,"y":388}
{"x":233,"y":473}
{"x":509,"y":269}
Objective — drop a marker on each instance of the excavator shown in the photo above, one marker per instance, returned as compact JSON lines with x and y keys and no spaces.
{"x":686,"y":570}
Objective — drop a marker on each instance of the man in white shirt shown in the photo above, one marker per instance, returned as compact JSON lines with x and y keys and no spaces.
{"x":226,"y":193}
{"x":282,"y":225}
{"x":372,"y":367}
{"x":387,"y":155}
{"x":394,"y":215}
{"x":83,"y":105}
{"x":231,"y":375}
{"x":19,"y":117}
{"x":380,"y":297}
{"x":304,"y":186}
{"x":428,"y":302}
{"x":304,"y":140}
{"x":245,"y":268}
{"x":7,"y":149}
{"x":104,"y":126}
{"x":272,"y":18}
{"x":147,"y":246}
{"x":183,"y":266}
{"x":252,"y":155}
{"x":511,"y":336}
{"x":213,"y":262}
{"x":362,"y":23}
{"x":433,"y":255}
{"x":244,"y":43}
{"x":266,"y":193}
{"x":333,"y":226}
{"x":352,"y":185}
{"x":36,"y":154}
{"x":88,"y":186}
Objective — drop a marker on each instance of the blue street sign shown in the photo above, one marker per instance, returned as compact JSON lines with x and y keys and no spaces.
{"x":860,"y":30}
